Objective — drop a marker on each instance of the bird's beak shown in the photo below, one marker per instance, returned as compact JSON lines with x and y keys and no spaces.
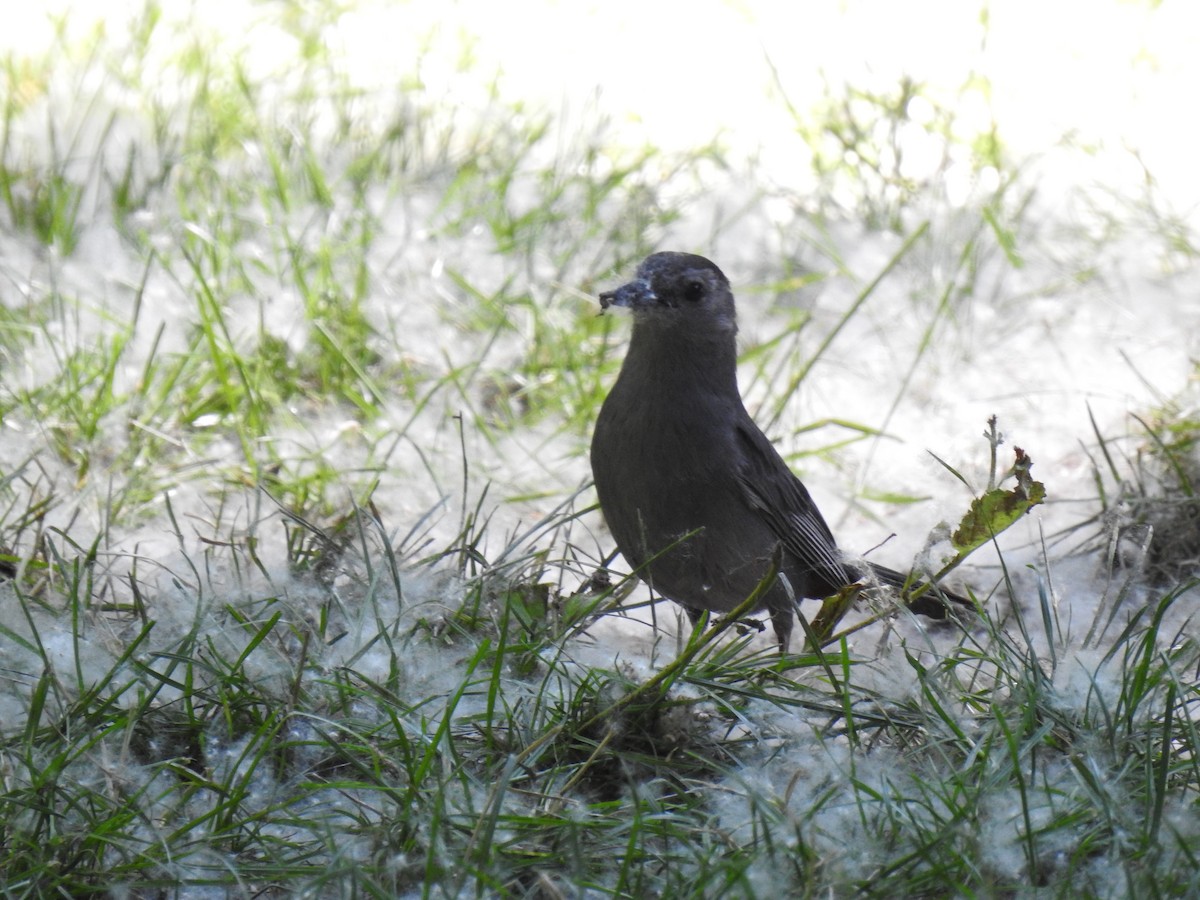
{"x":635,"y":295}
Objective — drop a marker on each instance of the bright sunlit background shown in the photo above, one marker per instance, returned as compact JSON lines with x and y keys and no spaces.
{"x":1110,"y":76}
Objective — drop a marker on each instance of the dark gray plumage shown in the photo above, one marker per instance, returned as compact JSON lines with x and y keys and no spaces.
{"x":675,"y":452}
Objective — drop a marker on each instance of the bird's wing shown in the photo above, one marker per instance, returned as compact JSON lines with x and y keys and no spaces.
{"x":771,"y":489}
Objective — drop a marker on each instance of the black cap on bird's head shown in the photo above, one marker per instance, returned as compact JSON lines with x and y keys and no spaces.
{"x":677,"y":290}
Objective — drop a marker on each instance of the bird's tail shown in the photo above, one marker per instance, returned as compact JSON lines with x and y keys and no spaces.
{"x":933,"y":601}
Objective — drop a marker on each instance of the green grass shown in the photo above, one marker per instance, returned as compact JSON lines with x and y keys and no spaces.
{"x":299,"y":589}
{"x":363,"y":744}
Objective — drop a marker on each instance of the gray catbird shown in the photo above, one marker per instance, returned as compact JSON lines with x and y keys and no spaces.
{"x":698,"y":499}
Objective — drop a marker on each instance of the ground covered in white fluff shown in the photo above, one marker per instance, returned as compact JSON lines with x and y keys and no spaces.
{"x":1055,"y":286}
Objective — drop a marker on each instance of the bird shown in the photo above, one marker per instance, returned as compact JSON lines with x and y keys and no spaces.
{"x":699,"y":501}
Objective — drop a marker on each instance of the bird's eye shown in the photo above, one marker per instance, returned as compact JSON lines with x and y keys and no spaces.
{"x":693,"y":291}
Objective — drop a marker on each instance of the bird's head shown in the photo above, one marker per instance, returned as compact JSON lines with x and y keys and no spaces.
{"x":682,"y":292}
